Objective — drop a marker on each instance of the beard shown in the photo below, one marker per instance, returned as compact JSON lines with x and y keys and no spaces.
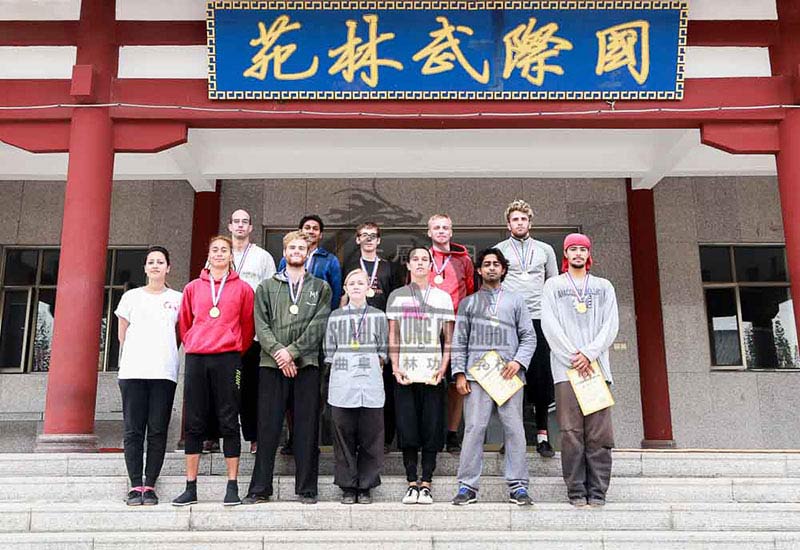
{"x":578,"y":264}
{"x":295,"y":262}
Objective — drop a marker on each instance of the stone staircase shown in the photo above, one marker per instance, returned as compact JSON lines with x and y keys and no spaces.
{"x":666,"y":499}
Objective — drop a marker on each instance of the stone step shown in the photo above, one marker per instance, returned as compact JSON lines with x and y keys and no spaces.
{"x":493,"y":489}
{"x":404,"y":540}
{"x":626,"y":464}
{"x":105,"y":516}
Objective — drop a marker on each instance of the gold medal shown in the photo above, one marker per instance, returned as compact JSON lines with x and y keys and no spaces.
{"x":580,"y":307}
{"x":370,"y":293}
{"x":214,"y":312}
{"x":354,"y":345}
{"x":438,"y":279}
{"x":293,"y":309}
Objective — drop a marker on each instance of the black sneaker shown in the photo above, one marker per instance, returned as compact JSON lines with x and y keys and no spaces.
{"x":232,"y":494}
{"x":520,"y":497}
{"x":465,"y":495}
{"x":189,"y":496}
{"x":545,"y":449}
{"x":308,"y":498}
{"x":349,"y":497}
{"x":149,"y":497}
{"x":596,"y":503}
{"x":255,"y":499}
{"x":453,"y":444}
{"x":134,"y":498}
{"x":364,"y":497}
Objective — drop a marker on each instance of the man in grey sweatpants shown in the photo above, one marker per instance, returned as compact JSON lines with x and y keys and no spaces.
{"x":580,"y":321}
{"x":492,"y":319}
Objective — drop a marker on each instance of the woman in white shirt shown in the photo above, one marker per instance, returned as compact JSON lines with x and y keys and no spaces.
{"x":148,"y":373}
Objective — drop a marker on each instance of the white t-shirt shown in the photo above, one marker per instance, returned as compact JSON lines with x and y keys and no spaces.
{"x":151,"y":349}
{"x":258,"y":265}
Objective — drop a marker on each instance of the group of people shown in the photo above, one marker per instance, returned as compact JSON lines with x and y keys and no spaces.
{"x":385,"y":350}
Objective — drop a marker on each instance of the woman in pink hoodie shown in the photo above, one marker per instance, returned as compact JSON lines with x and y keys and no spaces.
{"x":216,"y":328}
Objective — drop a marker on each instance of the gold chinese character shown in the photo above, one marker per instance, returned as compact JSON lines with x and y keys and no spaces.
{"x":529,"y":50}
{"x":440,"y":60}
{"x":278,"y":54}
{"x":354,"y":57}
{"x":617,"y":48}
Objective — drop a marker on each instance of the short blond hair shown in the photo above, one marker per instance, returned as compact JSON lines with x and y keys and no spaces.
{"x":444,"y":216}
{"x":519,"y":205}
{"x":292,"y":236}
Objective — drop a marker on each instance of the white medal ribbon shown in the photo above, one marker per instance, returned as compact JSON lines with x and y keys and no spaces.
{"x":292,"y":296}
{"x":244,"y":257}
{"x":437,"y":270}
{"x":581,"y":297}
{"x":493,"y":310}
{"x":420,"y":306}
{"x":215,"y":296}
{"x":523,"y":266}
{"x":356,"y":328}
{"x":374,"y":275}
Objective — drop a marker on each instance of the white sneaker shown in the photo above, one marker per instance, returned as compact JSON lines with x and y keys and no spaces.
{"x":425,"y":496}
{"x":412,"y":495}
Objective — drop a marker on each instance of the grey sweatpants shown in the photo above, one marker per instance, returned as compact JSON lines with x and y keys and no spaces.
{"x":478,"y":406}
{"x":586,"y":443}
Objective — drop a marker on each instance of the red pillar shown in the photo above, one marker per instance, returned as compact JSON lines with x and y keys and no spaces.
{"x":72,"y":381}
{"x":653,"y":380}
{"x":788,"y":161}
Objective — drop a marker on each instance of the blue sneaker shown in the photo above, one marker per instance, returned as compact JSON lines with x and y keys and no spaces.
{"x":520,"y":497}
{"x":464,"y":496}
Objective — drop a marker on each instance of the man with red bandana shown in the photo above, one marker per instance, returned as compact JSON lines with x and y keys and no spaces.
{"x":580,"y":321}
{"x":452,"y":270}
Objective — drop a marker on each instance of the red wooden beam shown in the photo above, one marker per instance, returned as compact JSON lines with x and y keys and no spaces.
{"x":38,"y":33}
{"x":751,"y":138}
{"x":732,"y":33}
{"x":136,"y":136}
{"x":161,"y":33}
{"x":37,"y":136}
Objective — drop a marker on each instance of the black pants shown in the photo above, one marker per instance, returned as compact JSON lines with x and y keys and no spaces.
{"x":420,"y":426}
{"x":211,"y":386}
{"x":389,"y":420}
{"x":357,"y":447}
{"x":146,"y":409}
{"x":275,"y":393}
{"x":539,"y":388}
{"x":248,"y":410}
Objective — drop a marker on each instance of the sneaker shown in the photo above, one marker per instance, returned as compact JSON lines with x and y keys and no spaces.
{"x":232,"y":494}
{"x":308,"y":498}
{"x":453,"y":444}
{"x":149,"y":497}
{"x":578,"y":502}
{"x":464,"y":496}
{"x":189,"y":496}
{"x":596,"y":503}
{"x":134,"y":497}
{"x":425,"y":496}
{"x":520,"y":497}
{"x":364,"y":497}
{"x":545,"y":449}
{"x":348,"y":497}
{"x":255,"y":499}
{"x":412,"y":495}
{"x":253,"y":447}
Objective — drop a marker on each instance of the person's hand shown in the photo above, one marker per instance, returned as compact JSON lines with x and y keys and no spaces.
{"x":401,"y":378}
{"x":438,"y":376}
{"x":510,"y":370}
{"x":462,"y":384}
{"x":282,"y":357}
{"x":582,"y":364}
{"x":289,"y":370}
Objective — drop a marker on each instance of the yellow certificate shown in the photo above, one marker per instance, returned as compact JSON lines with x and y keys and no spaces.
{"x":487,"y":372}
{"x":592,"y":393}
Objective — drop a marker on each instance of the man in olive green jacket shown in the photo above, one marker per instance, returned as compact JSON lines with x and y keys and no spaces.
{"x":291,"y":313}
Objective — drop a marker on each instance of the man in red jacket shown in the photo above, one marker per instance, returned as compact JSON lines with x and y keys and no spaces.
{"x":452,"y":270}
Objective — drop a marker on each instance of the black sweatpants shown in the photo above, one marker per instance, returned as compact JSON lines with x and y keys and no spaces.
{"x":357,"y":447}
{"x":389,"y":421}
{"x":211,"y":386}
{"x":301,"y":395}
{"x":146,"y":409}
{"x":419,"y":410}
{"x":539,"y":388}
{"x":248,"y":410}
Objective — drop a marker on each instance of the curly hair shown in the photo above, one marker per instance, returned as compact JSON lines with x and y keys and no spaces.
{"x":519,"y":205}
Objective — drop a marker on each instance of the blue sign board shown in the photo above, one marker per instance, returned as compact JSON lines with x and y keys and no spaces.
{"x":440,"y":50}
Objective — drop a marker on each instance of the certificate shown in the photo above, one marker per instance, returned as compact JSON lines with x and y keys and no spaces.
{"x":592,"y":393}
{"x":420,"y":367}
{"x":487,"y":372}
